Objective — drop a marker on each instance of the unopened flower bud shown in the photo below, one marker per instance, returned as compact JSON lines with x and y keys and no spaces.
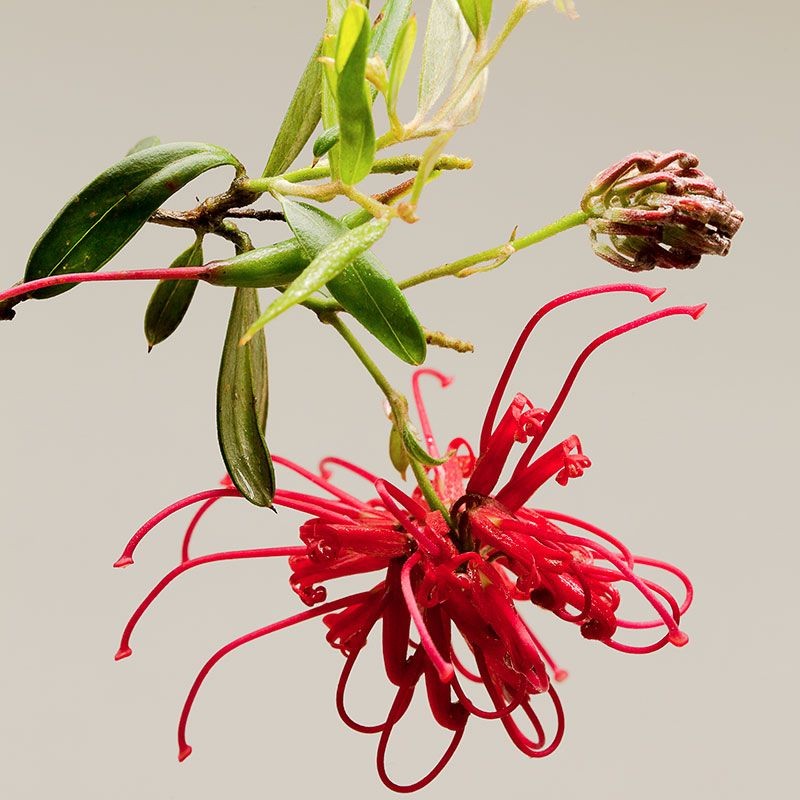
{"x":658,"y":210}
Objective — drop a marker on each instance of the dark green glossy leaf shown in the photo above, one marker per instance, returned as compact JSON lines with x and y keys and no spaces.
{"x":276,"y":265}
{"x":170,"y":299}
{"x":103,"y":217}
{"x":363,"y":288}
{"x":324,"y":267}
{"x":242,"y":398}
{"x":356,"y":129}
{"x":143,"y":144}
{"x":300,"y":120}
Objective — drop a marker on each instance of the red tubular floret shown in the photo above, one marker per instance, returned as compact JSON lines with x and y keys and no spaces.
{"x":691,"y":311}
{"x":502,"y":384}
{"x":184,"y":750}
{"x":126,"y":558}
{"x":401,"y":703}
{"x":231,"y":555}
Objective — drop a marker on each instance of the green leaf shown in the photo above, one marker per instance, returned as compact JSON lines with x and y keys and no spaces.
{"x":393,"y":17}
{"x":143,"y":144}
{"x":242,"y":398}
{"x":446,"y":52}
{"x":417,"y":452}
{"x":355,"y":21}
{"x":330,"y":114}
{"x":477,"y":13}
{"x":428,"y":163}
{"x":363,"y":288}
{"x":329,"y":261}
{"x":356,"y":128}
{"x":327,"y":139}
{"x":103,"y":217}
{"x":398,"y":454}
{"x":401,"y":57}
{"x":336,"y":9}
{"x":300,"y":120}
{"x":170,"y":300}
{"x":276,"y":265}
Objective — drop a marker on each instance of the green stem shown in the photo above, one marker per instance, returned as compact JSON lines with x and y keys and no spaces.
{"x":375,"y":207}
{"x":397,"y":403}
{"x":383,"y":166}
{"x":502,"y":251}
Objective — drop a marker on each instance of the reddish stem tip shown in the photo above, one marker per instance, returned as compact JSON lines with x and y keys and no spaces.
{"x":560,"y":675}
{"x":123,"y":561}
{"x":655,"y":292}
{"x":697,"y":311}
{"x":678,"y":638}
{"x":184,"y":752}
{"x":123,"y":652}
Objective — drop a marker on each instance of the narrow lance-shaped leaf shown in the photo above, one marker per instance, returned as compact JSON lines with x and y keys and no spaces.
{"x":242,"y":390}
{"x":330,"y":116}
{"x":401,"y":57}
{"x":428,"y":163}
{"x":104,"y":216}
{"x":171,"y":299}
{"x":330,"y":113}
{"x":300,"y":120}
{"x":356,"y":128}
{"x":477,"y":13}
{"x":326,"y":265}
{"x":386,"y":28}
{"x":393,"y":17}
{"x":363,"y":287}
{"x":447,"y":49}
{"x":143,"y":144}
{"x":242,"y":398}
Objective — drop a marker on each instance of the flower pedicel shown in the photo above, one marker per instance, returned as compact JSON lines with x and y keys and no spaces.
{"x":448,"y":584}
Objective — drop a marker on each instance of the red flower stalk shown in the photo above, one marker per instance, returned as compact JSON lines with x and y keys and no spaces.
{"x":459,"y":583}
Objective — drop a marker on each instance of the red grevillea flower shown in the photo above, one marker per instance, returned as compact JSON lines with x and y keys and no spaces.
{"x":442,"y":587}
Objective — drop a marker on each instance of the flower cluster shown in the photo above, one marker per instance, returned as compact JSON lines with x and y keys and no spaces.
{"x":658,"y":210}
{"x":449,"y":582}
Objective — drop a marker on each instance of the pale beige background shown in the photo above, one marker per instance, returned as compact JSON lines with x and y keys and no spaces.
{"x":692,"y":426}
